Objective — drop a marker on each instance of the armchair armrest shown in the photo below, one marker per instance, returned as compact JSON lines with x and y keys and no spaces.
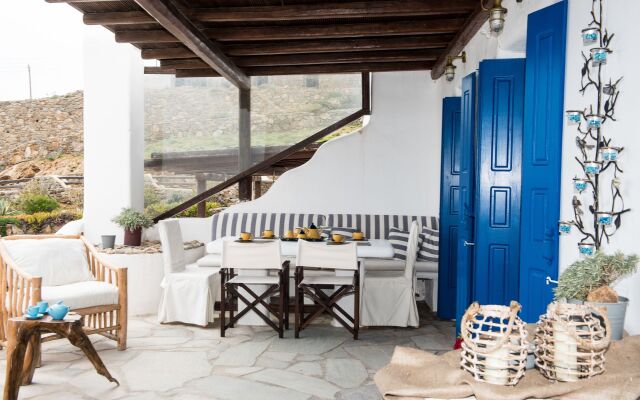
{"x":103,"y":270}
{"x":18,"y":289}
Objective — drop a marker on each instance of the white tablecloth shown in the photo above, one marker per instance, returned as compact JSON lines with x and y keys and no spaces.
{"x":379,"y":248}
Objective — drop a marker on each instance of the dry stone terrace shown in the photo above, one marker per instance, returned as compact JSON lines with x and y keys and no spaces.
{"x":188,"y":362}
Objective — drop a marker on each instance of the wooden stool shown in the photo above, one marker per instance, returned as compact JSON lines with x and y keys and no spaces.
{"x":23,"y":348}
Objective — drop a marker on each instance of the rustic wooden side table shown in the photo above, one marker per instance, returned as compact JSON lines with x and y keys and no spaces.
{"x":23,"y":348}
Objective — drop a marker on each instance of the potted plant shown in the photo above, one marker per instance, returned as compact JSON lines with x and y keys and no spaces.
{"x":590,"y":280}
{"x":132,"y":221}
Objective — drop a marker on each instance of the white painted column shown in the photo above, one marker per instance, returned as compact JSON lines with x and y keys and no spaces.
{"x":113,"y":131}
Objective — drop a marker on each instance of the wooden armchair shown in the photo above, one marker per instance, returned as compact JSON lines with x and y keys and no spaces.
{"x":19,"y":289}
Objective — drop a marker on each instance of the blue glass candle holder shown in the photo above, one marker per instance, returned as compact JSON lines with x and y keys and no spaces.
{"x":564,"y":227}
{"x":574,"y":117}
{"x":590,"y":36}
{"x":580,"y":184}
{"x":605,"y":218}
{"x":587,"y":248}
{"x":599,"y":56}
{"x":610,"y":153}
{"x":594,"y":121}
{"x":592,"y":167}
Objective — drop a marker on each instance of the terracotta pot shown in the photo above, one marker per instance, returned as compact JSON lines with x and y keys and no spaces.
{"x":132,"y":238}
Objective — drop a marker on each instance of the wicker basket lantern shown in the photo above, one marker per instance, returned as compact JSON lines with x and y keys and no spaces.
{"x":494,"y":343}
{"x":571,"y":340}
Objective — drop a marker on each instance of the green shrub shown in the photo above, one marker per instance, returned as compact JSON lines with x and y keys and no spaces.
{"x":132,"y":219}
{"x":151,"y":195}
{"x":192,"y":211}
{"x":4,"y":207}
{"x":35,"y":203}
{"x":35,"y":223}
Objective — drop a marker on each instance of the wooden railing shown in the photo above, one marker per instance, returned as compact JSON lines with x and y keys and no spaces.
{"x":269,"y":162}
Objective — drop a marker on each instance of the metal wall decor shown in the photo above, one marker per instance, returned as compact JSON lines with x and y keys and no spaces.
{"x":599,"y":154}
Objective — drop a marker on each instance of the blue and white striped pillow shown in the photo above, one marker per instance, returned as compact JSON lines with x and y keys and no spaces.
{"x":399,"y":240}
{"x":429,"y":245}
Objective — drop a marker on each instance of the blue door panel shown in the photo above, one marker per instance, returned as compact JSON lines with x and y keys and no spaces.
{"x":498,"y":181}
{"x":449,"y":207}
{"x":542,"y":155}
{"x":466,"y":219}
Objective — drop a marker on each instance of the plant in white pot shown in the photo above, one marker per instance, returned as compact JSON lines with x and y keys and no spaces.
{"x":589,"y":280}
{"x":132,"y":221}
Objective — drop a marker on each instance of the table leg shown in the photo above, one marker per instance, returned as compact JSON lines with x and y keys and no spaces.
{"x":16,"y":349}
{"x":32,"y":357}
{"x":78,"y":338}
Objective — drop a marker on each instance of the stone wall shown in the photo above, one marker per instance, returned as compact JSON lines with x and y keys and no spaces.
{"x":41,"y":128}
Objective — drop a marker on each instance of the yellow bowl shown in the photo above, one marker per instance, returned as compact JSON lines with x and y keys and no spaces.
{"x":267,"y":234}
{"x":289,"y":235}
{"x":246,"y":236}
{"x":337,"y":238}
{"x":358,"y":235}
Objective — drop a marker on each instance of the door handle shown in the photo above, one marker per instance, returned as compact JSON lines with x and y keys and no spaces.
{"x":466,"y":244}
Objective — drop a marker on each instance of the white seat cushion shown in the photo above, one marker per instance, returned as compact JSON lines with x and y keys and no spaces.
{"x":327,"y":280}
{"x":57,"y":261}
{"x":255,"y":280}
{"x":384,"y":264}
{"x":426,"y":266}
{"x":210,"y":260}
{"x":82,"y":294}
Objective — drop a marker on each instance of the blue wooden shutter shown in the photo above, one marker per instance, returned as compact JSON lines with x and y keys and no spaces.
{"x":497,"y":227}
{"x":449,"y":207}
{"x":466,"y":218}
{"x":542,"y":157}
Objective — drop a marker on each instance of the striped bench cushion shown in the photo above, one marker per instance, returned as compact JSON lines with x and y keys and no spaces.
{"x":376,"y":226}
{"x":400,"y":241}
{"x":429,"y":245}
{"x":231,"y":224}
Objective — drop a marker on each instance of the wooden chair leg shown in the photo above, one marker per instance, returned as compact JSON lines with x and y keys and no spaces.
{"x":231,"y":305}
{"x":287,"y":281}
{"x":281,"y":307}
{"x":356,"y":305}
{"x":298,"y":309}
{"x":223,"y":300}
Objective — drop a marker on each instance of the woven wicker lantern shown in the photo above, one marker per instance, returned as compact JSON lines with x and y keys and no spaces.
{"x":494,"y":343}
{"x":571,"y":340}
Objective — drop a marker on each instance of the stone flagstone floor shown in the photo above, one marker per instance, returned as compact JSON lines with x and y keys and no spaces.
{"x":190,"y":363}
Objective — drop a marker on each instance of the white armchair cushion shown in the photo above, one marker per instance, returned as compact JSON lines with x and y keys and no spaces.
{"x":82,"y":294}
{"x":57,"y":261}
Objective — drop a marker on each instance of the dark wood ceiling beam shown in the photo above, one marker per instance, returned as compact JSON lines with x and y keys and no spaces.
{"x":462,"y":38}
{"x":117,"y":18}
{"x":310,"y":59}
{"x":313,"y":69}
{"x":174,"y":21}
{"x":262,"y":33}
{"x":77,"y":1}
{"x":310,"y":46}
{"x":159,"y":70}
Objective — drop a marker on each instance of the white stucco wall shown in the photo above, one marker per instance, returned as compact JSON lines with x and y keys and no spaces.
{"x":113,"y":131}
{"x":390,"y":167}
{"x":622,"y":62}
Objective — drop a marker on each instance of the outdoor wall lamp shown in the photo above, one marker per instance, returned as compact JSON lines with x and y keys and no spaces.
{"x":450,"y":69}
{"x":496,"y":15}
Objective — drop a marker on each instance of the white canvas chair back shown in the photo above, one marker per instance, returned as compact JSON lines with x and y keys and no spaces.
{"x":321,"y":255}
{"x":172,"y":246}
{"x":251,"y":255}
{"x":412,"y":251}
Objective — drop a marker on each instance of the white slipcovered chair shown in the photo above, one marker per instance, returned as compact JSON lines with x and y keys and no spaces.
{"x":388,"y":297}
{"x":188,"y":291}
{"x":68,"y":268}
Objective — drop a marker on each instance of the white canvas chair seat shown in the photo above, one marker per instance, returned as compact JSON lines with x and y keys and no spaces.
{"x":210,"y":261}
{"x":388,"y":297}
{"x":255,"y":261}
{"x":188,"y":291}
{"x":81,"y":294}
{"x":341,"y":258}
{"x":327,"y":280}
{"x":394,"y":264}
{"x":255,"y":280}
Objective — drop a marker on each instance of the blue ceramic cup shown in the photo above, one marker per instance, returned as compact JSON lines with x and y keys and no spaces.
{"x":58,"y":311}
{"x":43,"y":305}
{"x":33,"y":311}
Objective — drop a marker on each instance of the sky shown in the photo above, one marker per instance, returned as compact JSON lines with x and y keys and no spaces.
{"x":48,"y":37}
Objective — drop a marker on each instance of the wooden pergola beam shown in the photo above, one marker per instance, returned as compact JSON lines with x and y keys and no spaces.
{"x":319,"y":58}
{"x":312,"y":69}
{"x":461,"y":39}
{"x":174,"y":21}
{"x":118,"y":18}
{"x":310,"y":46}
{"x":261,"y":33}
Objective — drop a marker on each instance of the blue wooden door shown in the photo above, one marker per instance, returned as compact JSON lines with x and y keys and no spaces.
{"x":466,"y":217}
{"x":449,"y":207}
{"x":541,"y":157}
{"x":499,"y":154}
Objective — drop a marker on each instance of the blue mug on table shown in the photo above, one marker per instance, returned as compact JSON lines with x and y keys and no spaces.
{"x":43,"y":306}
{"x":33,"y":311}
